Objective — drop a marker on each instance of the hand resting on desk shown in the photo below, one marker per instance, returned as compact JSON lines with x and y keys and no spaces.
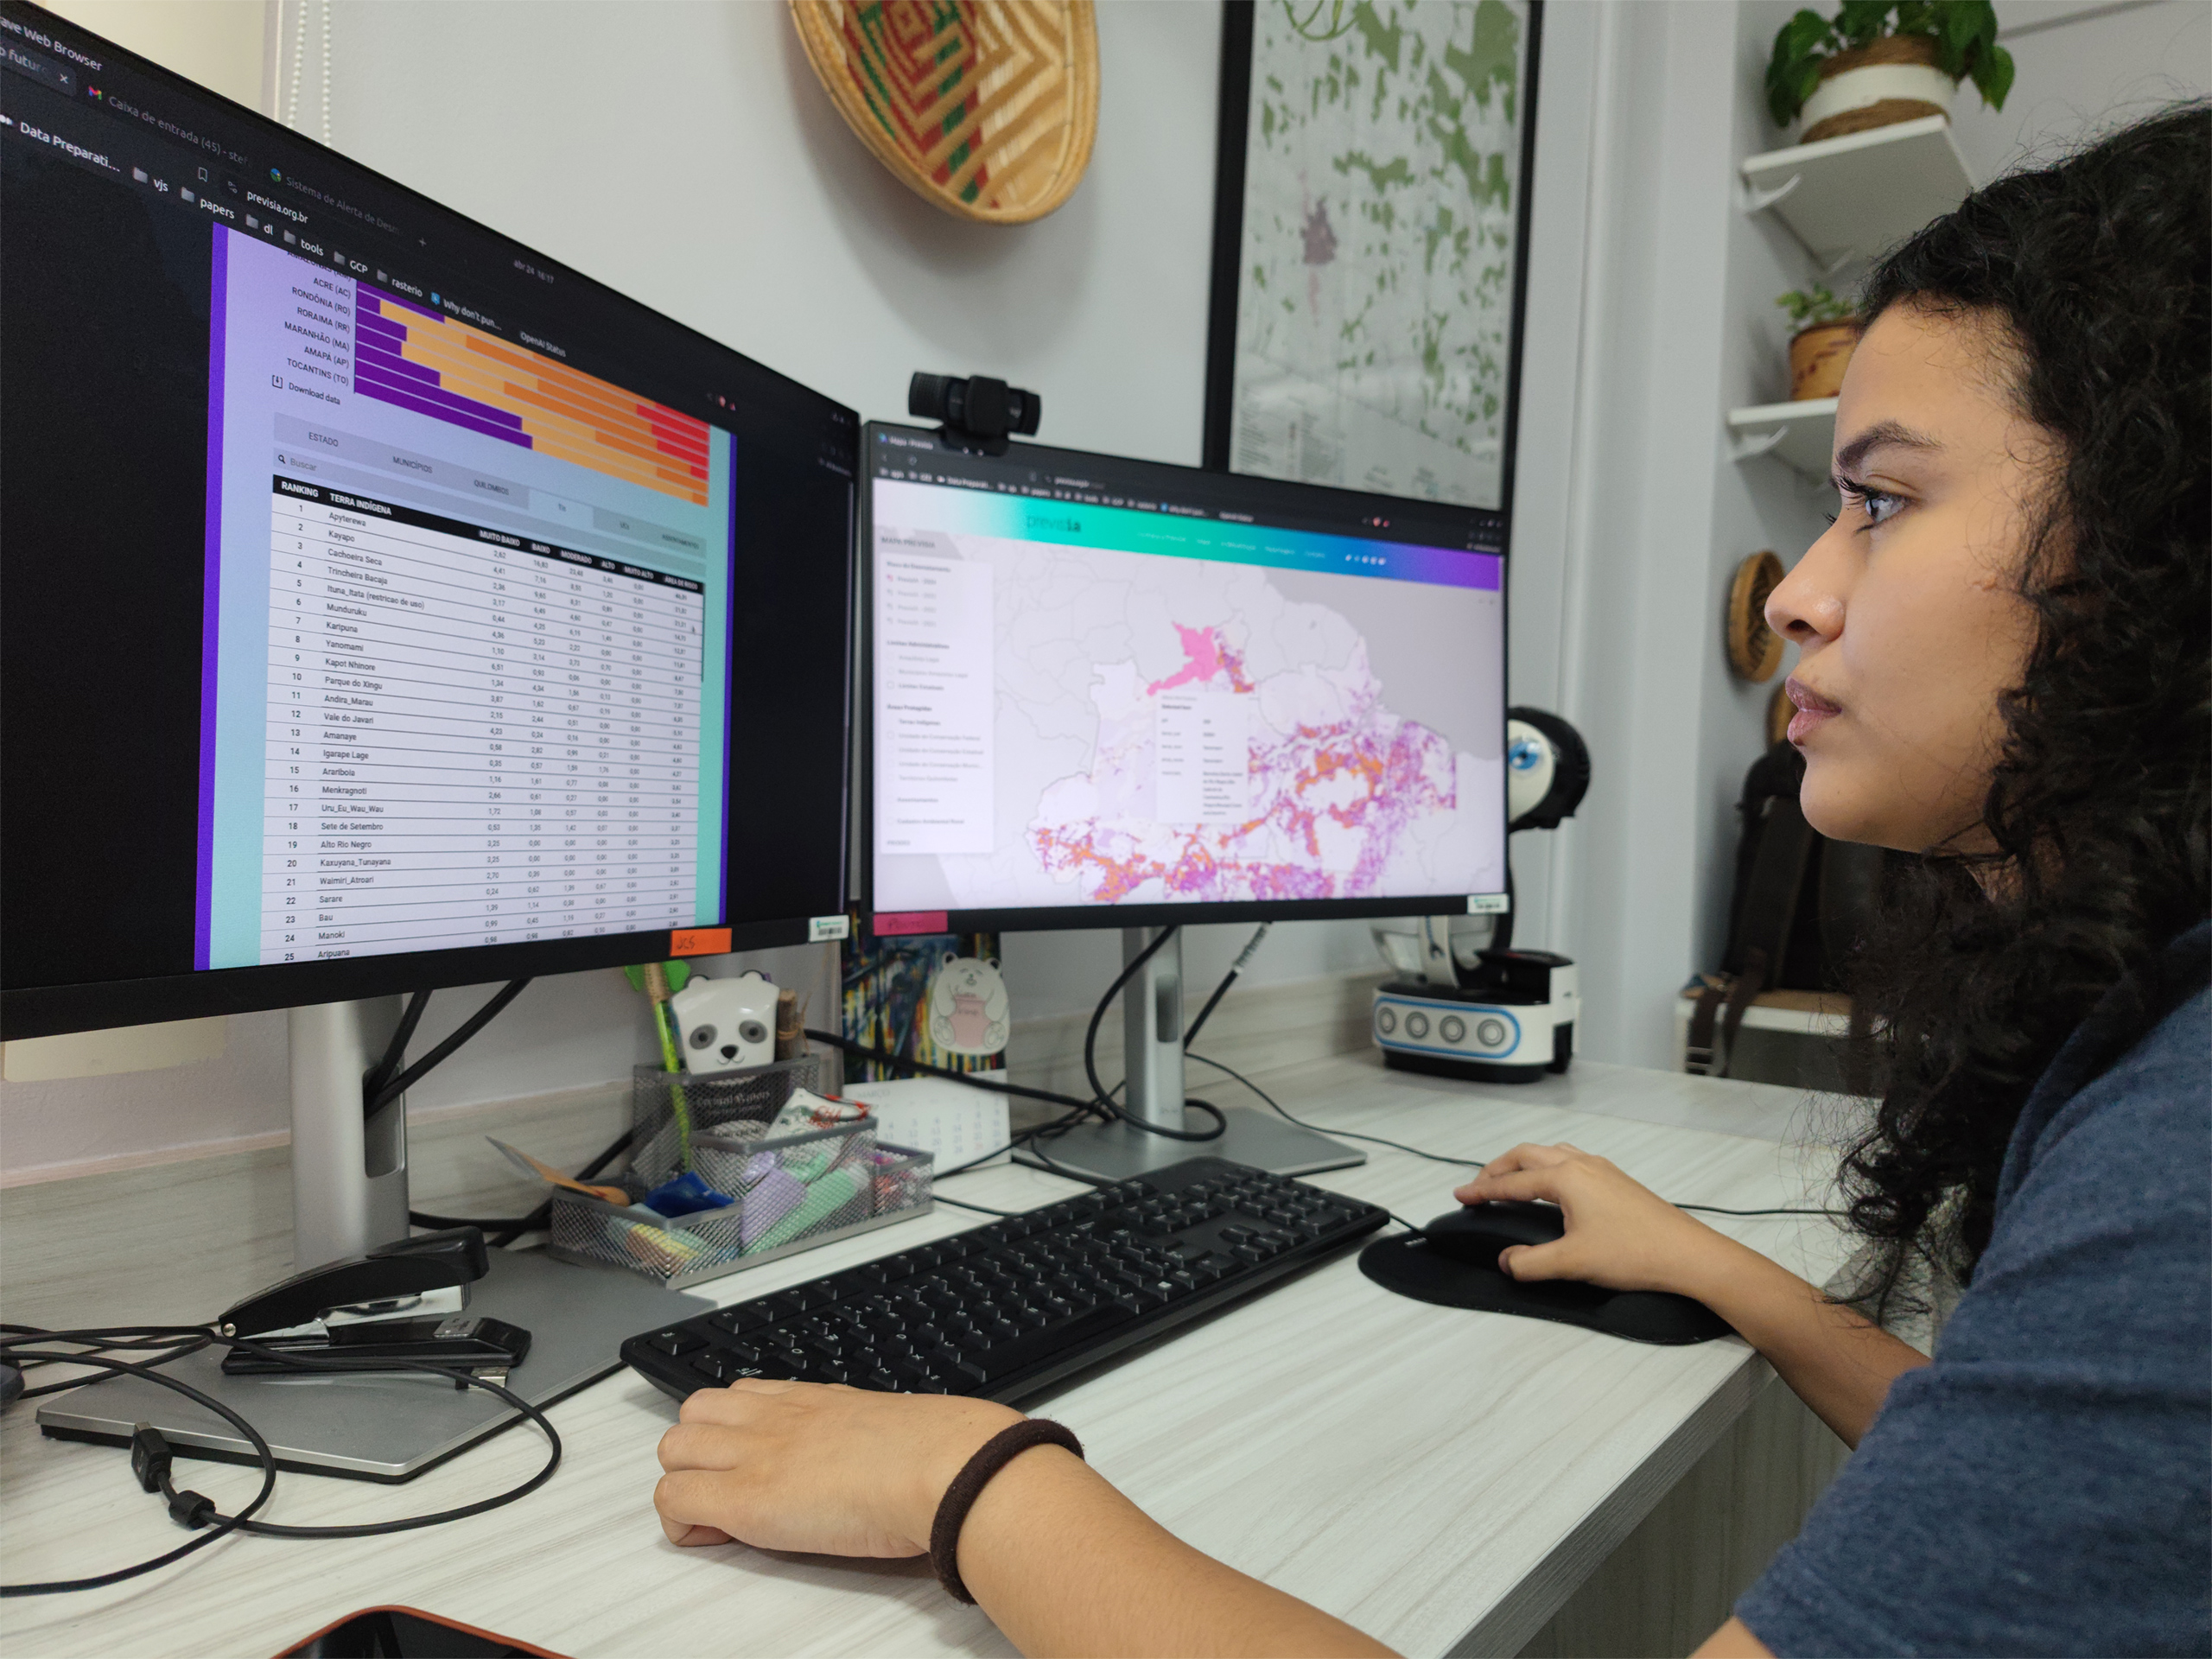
{"x":828,"y":1470}
{"x":1061,"y":1561}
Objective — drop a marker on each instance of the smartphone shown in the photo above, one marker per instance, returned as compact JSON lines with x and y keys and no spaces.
{"x":479,"y":1345}
{"x":409,"y":1633}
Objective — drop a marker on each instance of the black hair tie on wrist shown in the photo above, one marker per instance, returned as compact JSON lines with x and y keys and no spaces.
{"x":992,"y":1456}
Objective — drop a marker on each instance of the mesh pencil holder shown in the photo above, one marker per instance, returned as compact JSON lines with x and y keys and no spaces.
{"x":660,"y":1102}
{"x":788,"y":1194}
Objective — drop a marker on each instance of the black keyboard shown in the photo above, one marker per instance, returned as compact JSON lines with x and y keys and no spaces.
{"x":1004,"y":1310}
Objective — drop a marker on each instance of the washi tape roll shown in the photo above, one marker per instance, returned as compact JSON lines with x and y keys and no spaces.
{"x":823,"y":1199}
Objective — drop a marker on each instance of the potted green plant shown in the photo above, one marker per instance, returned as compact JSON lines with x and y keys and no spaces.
{"x":1825,"y":328}
{"x":1880,"y":61}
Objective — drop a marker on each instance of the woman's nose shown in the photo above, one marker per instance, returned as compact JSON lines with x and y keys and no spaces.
{"x":1805,"y":607}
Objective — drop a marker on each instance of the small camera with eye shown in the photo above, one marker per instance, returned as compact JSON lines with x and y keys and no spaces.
{"x":726,"y":1023}
{"x":978,"y":413}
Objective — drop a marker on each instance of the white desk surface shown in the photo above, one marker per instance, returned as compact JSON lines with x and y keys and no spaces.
{"x":1439,"y":1477}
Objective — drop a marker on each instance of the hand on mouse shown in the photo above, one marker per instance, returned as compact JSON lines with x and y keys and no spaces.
{"x":1619,"y":1234}
{"x":810,"y":1466}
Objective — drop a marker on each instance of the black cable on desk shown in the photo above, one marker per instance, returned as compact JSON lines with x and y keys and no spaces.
{"x":1467,"y":1163}
{"x":151,"y":1456}
{"x":962,"y":1203}
{"x":172,"y":1343}
{"x":221,"y":1526}
{"x":1345,"y":1134}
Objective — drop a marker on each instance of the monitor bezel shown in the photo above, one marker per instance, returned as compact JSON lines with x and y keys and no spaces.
{"x":52,"y":1010}
{"x":1062,"y":917}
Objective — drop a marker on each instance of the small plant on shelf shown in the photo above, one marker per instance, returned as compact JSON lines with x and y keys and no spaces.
{"x":1814,"y":309}
{"x":1823,"y":331}
{"x":1880,"y":61}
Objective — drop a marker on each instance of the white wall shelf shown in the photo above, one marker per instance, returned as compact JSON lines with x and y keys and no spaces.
{"x":1848,"y":198}
{"x":1799,"y":434}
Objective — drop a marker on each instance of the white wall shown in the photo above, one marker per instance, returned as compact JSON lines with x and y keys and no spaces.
{"x":2083,"y":66}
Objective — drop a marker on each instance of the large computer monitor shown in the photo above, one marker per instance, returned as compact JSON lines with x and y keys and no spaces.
{"x":383,"y":604}
{"x":1107,"y":692}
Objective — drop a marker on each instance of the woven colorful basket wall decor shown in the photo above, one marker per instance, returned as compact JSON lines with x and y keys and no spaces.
{"x":988,"y":108}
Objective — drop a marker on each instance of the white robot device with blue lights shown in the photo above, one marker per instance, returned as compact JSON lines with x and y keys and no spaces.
{"x":1464,"y":1003}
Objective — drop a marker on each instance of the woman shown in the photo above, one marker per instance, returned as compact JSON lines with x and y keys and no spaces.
{"x":2003,"y":670}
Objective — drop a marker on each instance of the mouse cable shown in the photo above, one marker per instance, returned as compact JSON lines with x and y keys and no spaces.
{"x":1473,"y":1163}
{"x":151,"y":1456}
{"x":979,"y":1208}
{"x":1346,"y":1135}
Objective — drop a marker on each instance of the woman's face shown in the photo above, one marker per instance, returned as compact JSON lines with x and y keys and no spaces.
{"x":1907,"y":612}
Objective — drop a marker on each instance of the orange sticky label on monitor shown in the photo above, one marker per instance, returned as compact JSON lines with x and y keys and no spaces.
{"x":699,"y":942}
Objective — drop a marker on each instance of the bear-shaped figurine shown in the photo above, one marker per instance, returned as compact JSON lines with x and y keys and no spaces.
{"x":968,"y":1011}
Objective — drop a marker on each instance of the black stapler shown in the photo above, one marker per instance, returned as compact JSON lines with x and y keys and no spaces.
{"x":381,"y":1292}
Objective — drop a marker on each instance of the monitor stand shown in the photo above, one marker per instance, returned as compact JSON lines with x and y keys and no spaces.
{"x":349,"y":1194}
{"x":1152,"y":1012}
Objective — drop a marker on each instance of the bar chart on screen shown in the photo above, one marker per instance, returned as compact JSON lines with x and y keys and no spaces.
{"x":471,"y":642}
{"x":408,"y":355}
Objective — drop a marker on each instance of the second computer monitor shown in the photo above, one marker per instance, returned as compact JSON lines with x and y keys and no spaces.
{"x":1110,"y":692}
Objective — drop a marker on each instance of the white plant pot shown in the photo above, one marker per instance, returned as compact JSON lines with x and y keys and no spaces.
{"x":1877,"y":83}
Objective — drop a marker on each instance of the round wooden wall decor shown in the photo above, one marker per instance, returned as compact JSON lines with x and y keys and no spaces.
{"x":986,"y":108}
{"x":1754,"y":649}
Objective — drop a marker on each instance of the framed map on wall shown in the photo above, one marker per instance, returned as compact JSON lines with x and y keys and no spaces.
{"x":1369,"y":221}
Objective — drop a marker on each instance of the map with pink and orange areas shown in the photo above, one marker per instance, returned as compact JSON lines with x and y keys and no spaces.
{"x":1332,"y":783}
{"x":1066,"y":726}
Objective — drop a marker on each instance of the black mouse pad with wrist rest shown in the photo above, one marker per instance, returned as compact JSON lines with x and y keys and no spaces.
{"x":1406,"y":1265}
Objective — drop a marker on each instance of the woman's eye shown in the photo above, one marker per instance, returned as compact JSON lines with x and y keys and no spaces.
{"x":1878,"y":505}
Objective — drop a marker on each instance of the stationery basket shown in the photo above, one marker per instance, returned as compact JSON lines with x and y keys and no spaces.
{"x":661,"y":1102}
{"x":788,"y":1193}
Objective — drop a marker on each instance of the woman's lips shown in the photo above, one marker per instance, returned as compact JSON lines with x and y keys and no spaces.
{"x":1812,"y":709}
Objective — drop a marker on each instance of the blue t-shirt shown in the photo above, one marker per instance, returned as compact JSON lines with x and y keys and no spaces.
{"x":2045,"y":1485}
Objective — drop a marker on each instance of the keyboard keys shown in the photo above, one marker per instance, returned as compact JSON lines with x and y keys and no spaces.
{"x":746,"y":1315}
{"x":961,"y":1315}
{"x":718,"y":1367}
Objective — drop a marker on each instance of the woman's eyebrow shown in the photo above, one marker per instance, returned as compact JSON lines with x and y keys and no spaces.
{"x":1881,"y":435}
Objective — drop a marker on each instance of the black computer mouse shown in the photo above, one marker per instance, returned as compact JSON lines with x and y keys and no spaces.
{"x":1475,"y":1233}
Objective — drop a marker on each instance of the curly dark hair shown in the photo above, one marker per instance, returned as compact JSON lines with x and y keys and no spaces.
{"x":2094,"y":273}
